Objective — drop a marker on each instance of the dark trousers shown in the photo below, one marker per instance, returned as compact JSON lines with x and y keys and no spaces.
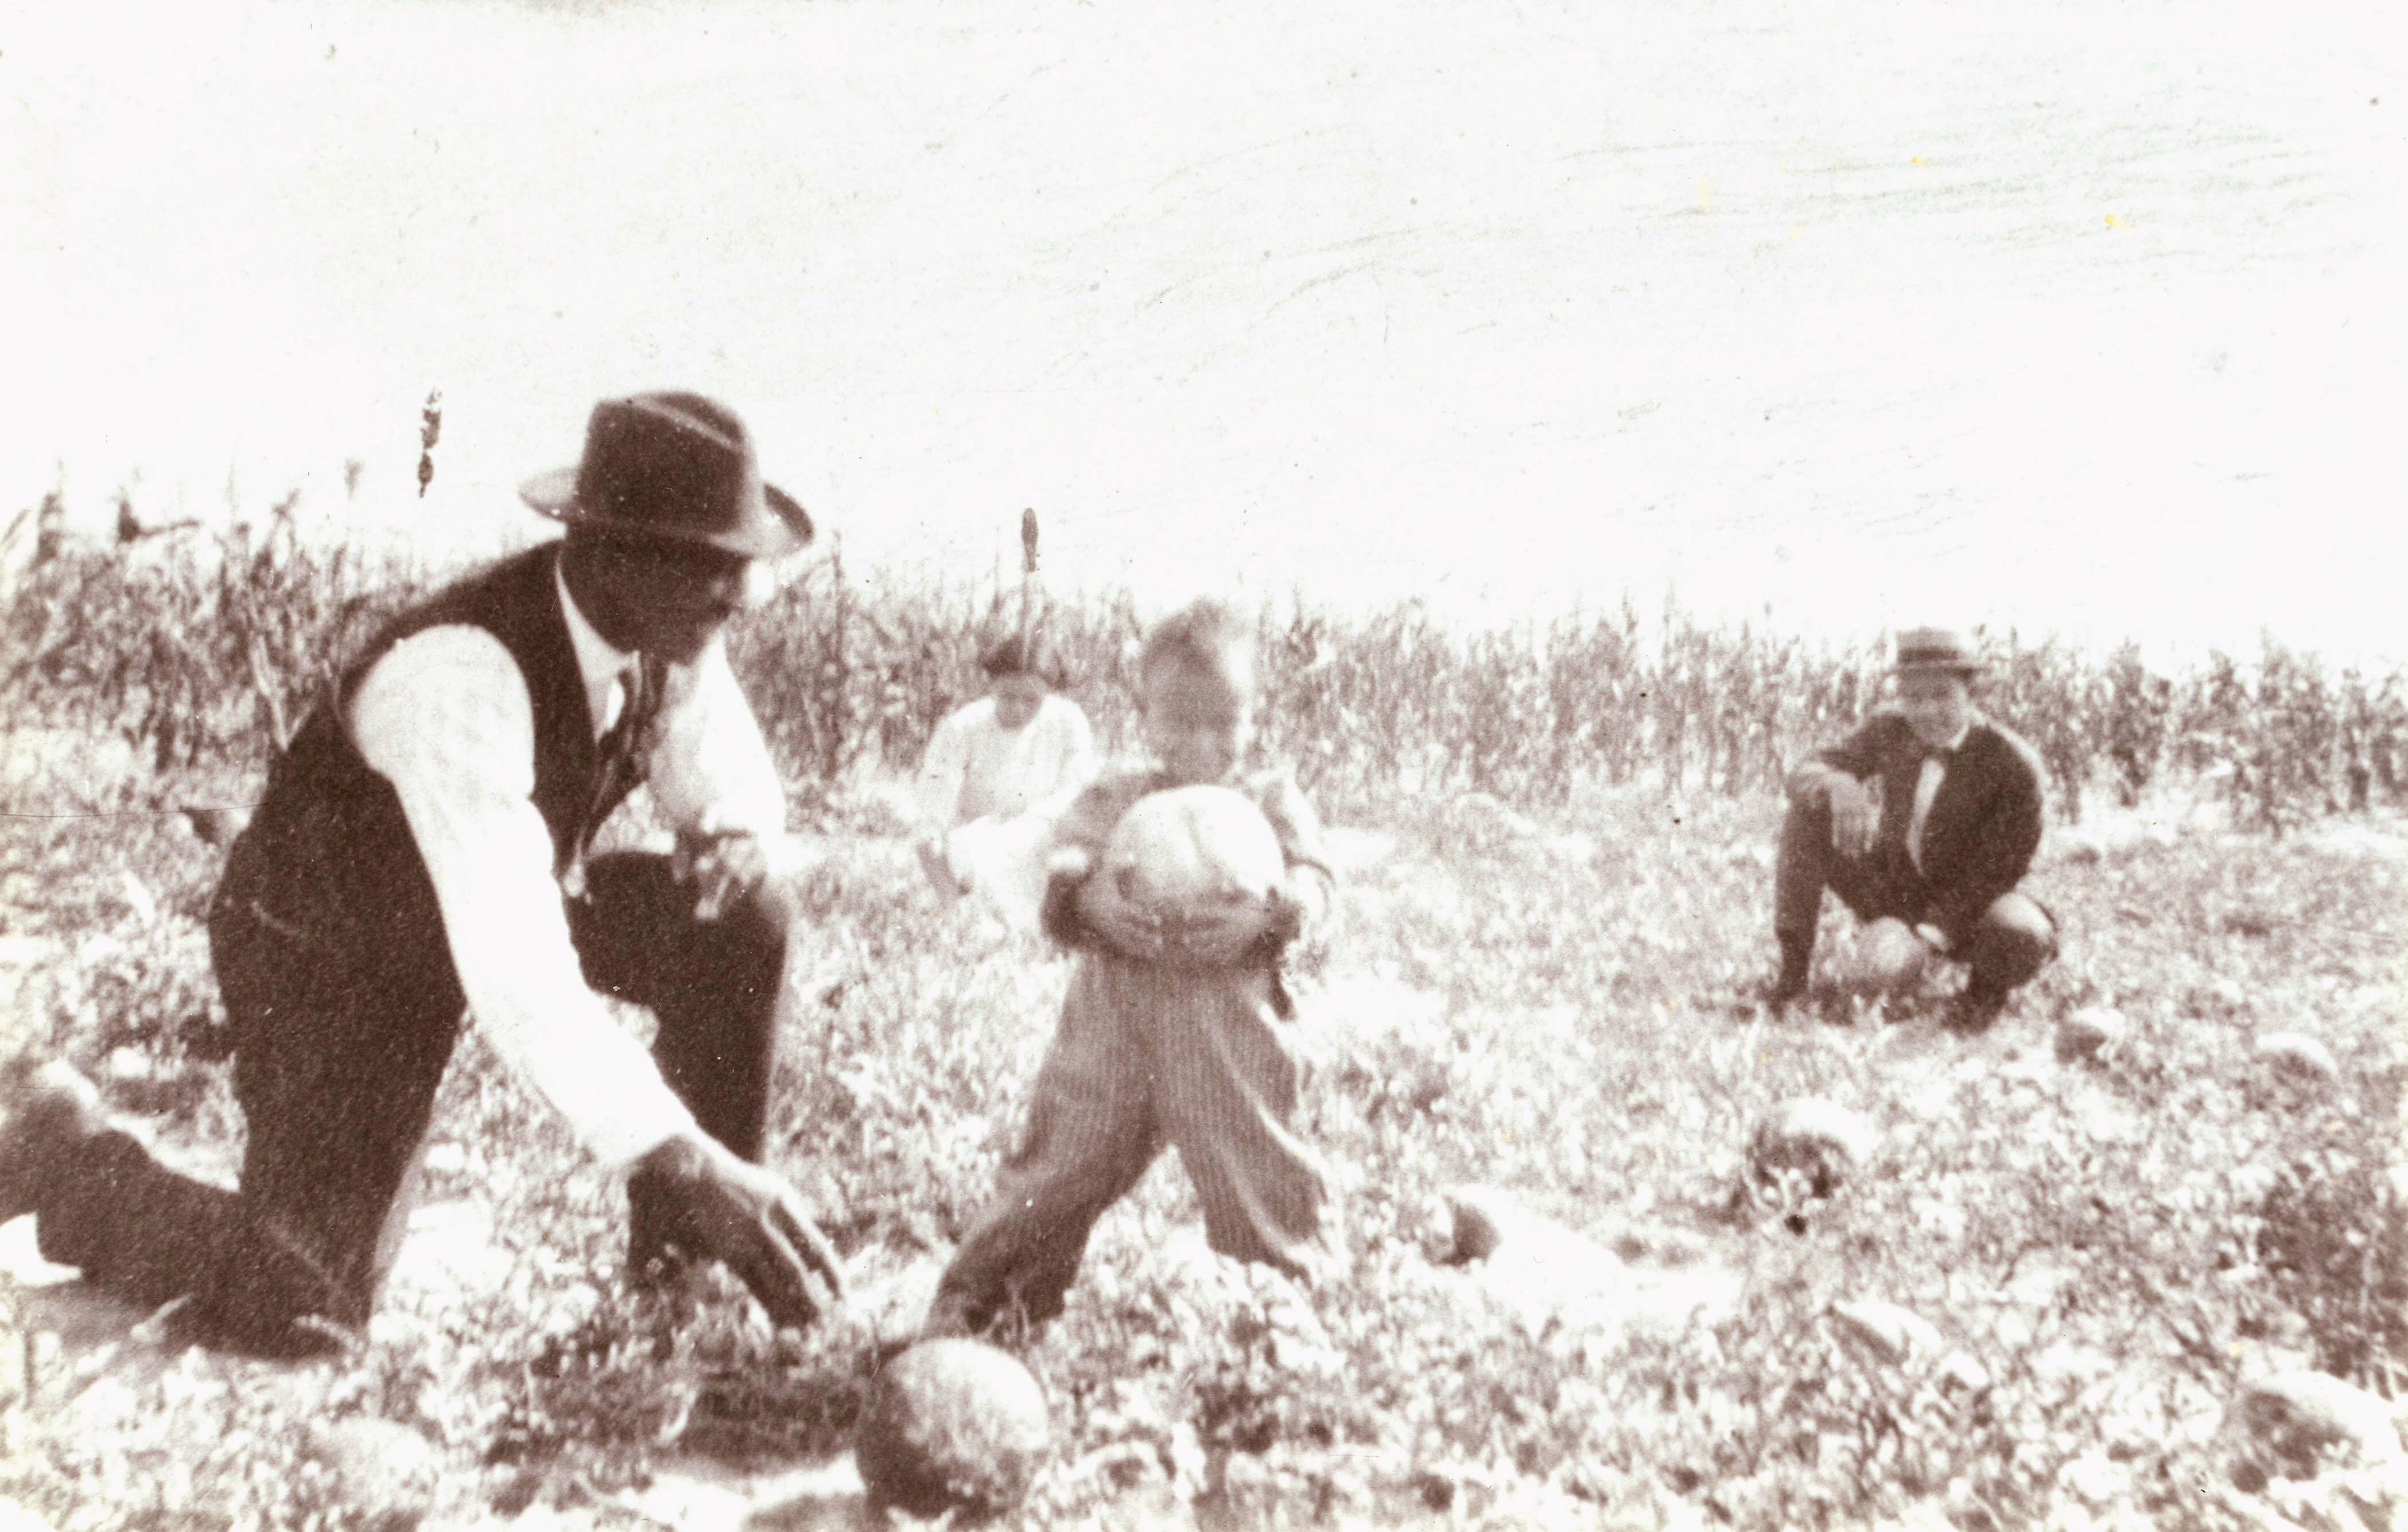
{"x":338,"y":1058}
{"x":2005,"y":945}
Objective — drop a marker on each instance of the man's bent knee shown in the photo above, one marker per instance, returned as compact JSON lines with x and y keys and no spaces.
{"x":2017,"y":938}
{"x":2022,"y":915}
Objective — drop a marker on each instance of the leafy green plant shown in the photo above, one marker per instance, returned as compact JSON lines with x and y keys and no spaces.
{"x":1540,"y":984}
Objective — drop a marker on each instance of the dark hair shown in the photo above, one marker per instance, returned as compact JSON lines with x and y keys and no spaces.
{"x":1009,"y":656}
{"x":1207,"y":632}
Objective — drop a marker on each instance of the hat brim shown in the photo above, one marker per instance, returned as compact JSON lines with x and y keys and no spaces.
{"x":780,"y":528}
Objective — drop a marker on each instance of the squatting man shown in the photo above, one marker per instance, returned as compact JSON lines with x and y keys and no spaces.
{"x":1923,"y":820}
{"x":424,"y":846}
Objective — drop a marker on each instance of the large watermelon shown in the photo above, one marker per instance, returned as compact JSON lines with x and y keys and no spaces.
{"x":1187,"y":850}
{"x":951,"y":1424}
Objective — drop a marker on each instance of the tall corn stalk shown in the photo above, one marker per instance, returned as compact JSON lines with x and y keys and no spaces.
{"x":207,"y":652}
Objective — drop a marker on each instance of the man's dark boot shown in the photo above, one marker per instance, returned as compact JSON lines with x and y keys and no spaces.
{"x":48,"y":1113}
{"x":1789,"y":984}
{"x":1976,"y":1010}
{"x":657,"y":1259}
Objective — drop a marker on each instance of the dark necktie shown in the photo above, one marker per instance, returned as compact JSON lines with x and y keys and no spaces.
{"x":619,"y":755}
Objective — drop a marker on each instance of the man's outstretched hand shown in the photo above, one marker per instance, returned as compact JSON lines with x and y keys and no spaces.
{"x":750,"y":1220}
{"x":723,"y":867}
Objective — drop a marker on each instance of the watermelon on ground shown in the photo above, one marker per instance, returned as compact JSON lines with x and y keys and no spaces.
{"x":951,"y":1424}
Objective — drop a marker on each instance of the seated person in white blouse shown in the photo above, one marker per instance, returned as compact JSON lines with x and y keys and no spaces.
{"x":995,"y":774}
{"x":424,"y":848}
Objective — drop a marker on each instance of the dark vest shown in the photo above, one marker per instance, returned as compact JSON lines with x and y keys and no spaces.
{"x":329,"y":862}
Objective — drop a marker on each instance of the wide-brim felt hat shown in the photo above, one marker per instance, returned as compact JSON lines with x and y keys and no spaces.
{"x":1936,"y":649}
{"x":675,"y":466}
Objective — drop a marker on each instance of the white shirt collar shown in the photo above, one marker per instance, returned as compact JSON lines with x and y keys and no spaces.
{"x":1957,"y":743}
{"x":598,"y":664}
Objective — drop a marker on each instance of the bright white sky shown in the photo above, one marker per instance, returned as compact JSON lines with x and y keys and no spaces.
{"x":2082,"y":317}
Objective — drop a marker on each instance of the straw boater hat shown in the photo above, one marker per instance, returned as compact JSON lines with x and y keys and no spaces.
{"x":1936,"y":649}
{"x":674,"y":466}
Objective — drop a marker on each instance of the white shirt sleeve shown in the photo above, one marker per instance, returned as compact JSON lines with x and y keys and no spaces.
{"x":711,"y":769}
{"x":946,"y":760}
{"x":445,"y":717}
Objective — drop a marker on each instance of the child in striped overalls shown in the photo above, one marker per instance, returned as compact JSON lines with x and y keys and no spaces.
{"x":1177,"y":1034}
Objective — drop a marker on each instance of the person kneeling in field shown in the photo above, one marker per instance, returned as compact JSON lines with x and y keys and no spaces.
{"x":1923,"y":822}
{"x":992,"y":773}
{"x":1176,"y":1026}
{"x":424,"y":844}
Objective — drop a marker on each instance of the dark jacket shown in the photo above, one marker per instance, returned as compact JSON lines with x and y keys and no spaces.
{"x":1983,"y":825}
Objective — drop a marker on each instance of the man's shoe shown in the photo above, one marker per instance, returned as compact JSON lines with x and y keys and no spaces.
{"x":659,"y":1269}
{"x":1976,"y":1011}
{"x":187,"y":1320}
{"x":1783,"y":989}
{"x":659,"y":1245}
{"x":47,"y":1112}
{"x":1789,"y":986}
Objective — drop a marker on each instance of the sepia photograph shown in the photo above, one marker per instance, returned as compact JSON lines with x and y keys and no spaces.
{"x":1062,"y":765}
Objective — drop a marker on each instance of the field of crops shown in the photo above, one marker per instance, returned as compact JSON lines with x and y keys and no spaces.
{"x":1556,"y":845}
{"x":196,"y":655}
